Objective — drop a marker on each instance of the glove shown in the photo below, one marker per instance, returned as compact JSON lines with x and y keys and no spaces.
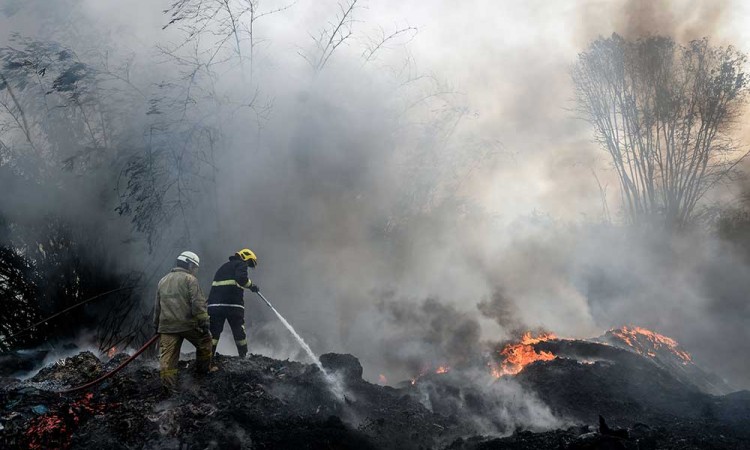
{"x":254,"y":288}
{"x":205,"y":327}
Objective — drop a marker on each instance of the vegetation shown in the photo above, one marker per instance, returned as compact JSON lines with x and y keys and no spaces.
{"x":664,"y":113}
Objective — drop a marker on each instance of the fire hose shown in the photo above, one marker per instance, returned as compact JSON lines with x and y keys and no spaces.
{"x":57,"y":314}
{"x":134,"y":356}
{"x":117,"y":369}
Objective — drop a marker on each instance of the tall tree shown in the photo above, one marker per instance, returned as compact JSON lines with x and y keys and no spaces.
{"x":59,"y":138}
{"x":664,"y":113}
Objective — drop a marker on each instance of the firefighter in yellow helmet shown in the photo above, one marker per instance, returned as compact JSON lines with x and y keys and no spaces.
{"x":181,"y":313}
{"x":226,"y":302}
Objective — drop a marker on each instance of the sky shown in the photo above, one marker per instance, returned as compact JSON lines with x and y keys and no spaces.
{"x":507,"y":60}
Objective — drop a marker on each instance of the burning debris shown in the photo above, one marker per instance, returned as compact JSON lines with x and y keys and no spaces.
{"x":260,"y":402}
{"x":388,"y":209}
{"x":442,"y":369}
{"x":646,"y":342}
{"x":664,"y":351}
{"x":254,"y":402}
{"x":516,"y":356}
{"x":55,"y":430}
{"x":427,"y":370}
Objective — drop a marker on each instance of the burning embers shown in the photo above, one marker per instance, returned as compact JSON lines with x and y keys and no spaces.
{"x":55,"y":429}
{"x":440,"y":370}
{"x":516,"y":356}
{"x":648,"y":343}
{"x":513,"y":357}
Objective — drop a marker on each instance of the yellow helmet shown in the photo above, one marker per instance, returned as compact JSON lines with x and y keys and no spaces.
{"x":248,"y":256}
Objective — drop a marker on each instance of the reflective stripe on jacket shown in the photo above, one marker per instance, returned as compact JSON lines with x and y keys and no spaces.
{"x":180,"y":303}
{"x":229,"y":280}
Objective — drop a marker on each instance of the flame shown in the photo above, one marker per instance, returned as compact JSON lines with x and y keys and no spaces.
{"x":515,"y":356}
{"x":633,"y":337}
{"x":427,"y":369}
{"x":112,"y":352}
{"x":518,"y":355}
{"x":382,"y":379}
{"x":442,"y":369}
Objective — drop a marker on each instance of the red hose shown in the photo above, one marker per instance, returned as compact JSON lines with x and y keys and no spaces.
{"x":120,"y":367}
{"x":17,"y":333}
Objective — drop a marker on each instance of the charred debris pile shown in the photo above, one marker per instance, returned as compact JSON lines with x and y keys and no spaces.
{"x":630,"y":388}
{"x":256,"y":402}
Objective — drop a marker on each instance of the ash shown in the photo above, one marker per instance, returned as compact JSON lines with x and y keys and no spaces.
{"x":620,"y":400}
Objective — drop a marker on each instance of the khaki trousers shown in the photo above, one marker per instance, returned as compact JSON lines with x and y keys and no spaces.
{"x":169,"y":354}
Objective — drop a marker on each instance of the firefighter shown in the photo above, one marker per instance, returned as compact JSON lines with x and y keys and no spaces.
{"x":180,"y":313}
{"x":226,"y":302}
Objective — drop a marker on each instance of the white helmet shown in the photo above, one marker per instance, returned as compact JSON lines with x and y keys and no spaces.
{"x":189,"y":257}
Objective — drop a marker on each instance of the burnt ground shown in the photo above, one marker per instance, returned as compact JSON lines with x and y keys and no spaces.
{"x":256,"y":402}
{"x":259,"y":402}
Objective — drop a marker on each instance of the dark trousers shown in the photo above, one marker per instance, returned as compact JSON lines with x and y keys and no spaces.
{"x":236,"y":318}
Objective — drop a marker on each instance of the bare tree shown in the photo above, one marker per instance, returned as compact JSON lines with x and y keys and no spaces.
{"x":332,"y":36}
{"x":664,"y":113}
{"x":229,"y":22}
{"x":383,"y":41}
{"x":178,"y":161}
{"x":256,"y":13}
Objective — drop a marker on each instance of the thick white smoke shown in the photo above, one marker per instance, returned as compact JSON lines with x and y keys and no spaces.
{"x":436,"y":197}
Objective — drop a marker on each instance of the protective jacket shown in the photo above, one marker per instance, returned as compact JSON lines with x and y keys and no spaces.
{"x":226,"y":289}
{"x":180,"y":303}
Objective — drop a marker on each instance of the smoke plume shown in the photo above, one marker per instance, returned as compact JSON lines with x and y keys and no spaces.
{"x":407,"y":209}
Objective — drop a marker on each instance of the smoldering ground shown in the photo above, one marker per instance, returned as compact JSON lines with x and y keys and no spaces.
{"x":409,"y":209}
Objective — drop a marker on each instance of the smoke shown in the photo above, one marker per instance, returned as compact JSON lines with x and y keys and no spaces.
{"x":683,"y":21}
{"x":412,"y":209}
{"x":492,"y":407}
{"x":405,"y":338}
{"x":692,"y":20}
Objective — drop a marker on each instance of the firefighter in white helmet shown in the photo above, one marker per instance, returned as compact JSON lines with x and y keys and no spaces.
{"x":180,"y":313}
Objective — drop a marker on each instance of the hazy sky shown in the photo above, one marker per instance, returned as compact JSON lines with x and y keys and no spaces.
{"x":508,"y":60}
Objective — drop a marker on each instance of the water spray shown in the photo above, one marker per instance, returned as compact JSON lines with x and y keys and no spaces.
{"x":333,"y":382}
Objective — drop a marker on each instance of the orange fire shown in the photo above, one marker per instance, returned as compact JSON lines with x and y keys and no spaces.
{"x":514,"y":357}
{"x":112,"y":352}
{"x":382,"y":379}
{"x":519,"y":355}
{"x":631,"y":335}
{"x":55,"y":429}
{"x":442,"y":369}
